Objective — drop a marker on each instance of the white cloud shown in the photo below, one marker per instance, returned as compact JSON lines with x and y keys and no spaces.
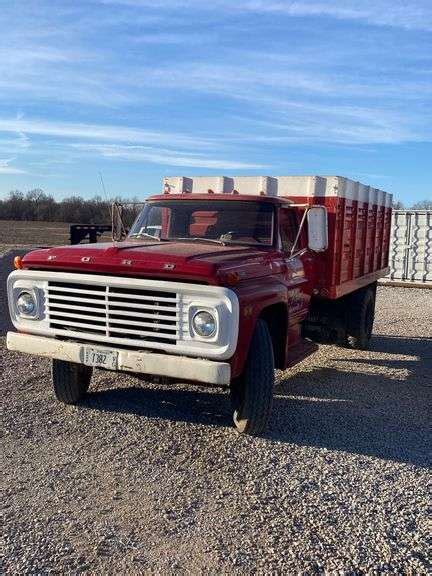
{"x":413,"y":14}
{"x":164,"y":157}
{"x":6,"y":169}
{"x":31,"y":55}
{"x":307,"y":106}
{"x":100,"y":132}
{"x":127,"y":143}
{"x":15,"y":145}
{"x":192,"y":38}
{"x":256,"y":76}
{"x":416,"y":14}
{"x":213,"y":79}
{"x":61,"y":85}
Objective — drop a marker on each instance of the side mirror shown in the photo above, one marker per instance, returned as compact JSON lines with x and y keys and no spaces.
{"x":317,"y":228}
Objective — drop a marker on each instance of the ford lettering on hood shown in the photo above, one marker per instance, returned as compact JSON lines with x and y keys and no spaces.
{"x":180,"y":260}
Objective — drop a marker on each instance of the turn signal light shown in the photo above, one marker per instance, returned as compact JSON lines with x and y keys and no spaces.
{"x":18,"y":264}
{"x":232,"y":278}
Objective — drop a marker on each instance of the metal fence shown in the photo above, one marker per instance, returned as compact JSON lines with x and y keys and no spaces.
{"x":411,"y":247}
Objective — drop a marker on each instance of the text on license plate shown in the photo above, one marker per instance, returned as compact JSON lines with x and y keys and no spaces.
{"x":100,"y":358}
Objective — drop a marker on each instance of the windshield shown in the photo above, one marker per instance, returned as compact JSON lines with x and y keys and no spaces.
{"x":220,"y":221}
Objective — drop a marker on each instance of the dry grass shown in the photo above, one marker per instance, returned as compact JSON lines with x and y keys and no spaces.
{"x":21,"y":233}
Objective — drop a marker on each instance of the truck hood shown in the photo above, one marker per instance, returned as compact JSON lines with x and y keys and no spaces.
{"x":190,"y":261}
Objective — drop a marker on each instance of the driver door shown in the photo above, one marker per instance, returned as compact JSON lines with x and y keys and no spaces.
{"x":293,"y":273}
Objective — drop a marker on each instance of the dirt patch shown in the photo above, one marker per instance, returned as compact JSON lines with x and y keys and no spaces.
{"x":22,"y":234}
{"x":16,"y":233}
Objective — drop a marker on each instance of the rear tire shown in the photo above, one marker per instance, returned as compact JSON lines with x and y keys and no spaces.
{"x":252,"y":393}
{"x":71,"y":381}
{"x":361,"y":315}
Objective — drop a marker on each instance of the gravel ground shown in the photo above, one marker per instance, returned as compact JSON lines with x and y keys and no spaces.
{"x":148,"y":479}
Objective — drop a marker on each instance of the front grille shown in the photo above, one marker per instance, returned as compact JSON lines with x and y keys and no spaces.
{"x":133,"y":314}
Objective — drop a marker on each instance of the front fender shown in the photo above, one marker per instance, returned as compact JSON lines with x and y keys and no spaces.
{"x":254,"y":298}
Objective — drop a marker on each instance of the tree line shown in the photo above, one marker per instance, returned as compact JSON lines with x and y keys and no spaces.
{"x":422,"y":205}
{"x":37,"y":205}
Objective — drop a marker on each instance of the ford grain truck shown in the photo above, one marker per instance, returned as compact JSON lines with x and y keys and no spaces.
{"x":220,"y":281}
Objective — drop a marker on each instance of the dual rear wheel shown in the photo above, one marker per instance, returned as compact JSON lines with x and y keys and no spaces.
{"x":360,"y":318}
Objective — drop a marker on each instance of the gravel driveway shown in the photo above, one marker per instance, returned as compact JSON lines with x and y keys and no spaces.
{"x":149,"y":479}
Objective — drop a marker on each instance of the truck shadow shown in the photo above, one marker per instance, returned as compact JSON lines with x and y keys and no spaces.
{"x":362,"y":405}
{"x":195,"y":405}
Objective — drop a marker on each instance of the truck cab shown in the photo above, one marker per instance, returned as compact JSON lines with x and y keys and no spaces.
{"x":212,"y":287}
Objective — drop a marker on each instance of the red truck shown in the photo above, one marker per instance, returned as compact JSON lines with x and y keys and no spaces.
{"x":219,"y":281}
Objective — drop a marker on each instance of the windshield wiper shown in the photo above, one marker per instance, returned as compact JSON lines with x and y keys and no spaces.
{"x":198,"y":239}
{"x":141,"y":234}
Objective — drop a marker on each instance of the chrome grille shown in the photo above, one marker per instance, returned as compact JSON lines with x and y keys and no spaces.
{"x":142,"y":315}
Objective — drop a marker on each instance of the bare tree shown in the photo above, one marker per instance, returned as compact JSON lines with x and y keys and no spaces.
{"x":37,"y":205}
{"x":422,"y":205}
{"x":397,"y":205}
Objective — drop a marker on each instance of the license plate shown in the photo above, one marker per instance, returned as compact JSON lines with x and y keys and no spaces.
{"x":100,"y":358}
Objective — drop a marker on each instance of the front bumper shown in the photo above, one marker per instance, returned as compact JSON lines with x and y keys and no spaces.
{"x":168,"y":365}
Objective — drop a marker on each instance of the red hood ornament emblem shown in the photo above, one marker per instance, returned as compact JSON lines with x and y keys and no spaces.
{"x":168,"y":266}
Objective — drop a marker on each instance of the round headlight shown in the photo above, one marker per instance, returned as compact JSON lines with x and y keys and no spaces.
{"x":204,"y":324}
{"x":26,"y":304}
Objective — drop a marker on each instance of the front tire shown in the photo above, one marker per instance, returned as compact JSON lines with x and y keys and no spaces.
{"x":70,"y":381}
{"x":252,"y":393}
{"x":361,"y":315}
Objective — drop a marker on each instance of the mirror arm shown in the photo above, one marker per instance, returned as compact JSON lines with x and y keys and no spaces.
{"x":118,"y":229}
{"x":299,"y":253}
{"x":299,"y":231}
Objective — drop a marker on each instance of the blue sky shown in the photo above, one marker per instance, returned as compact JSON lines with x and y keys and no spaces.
{"x":140,"y":89}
